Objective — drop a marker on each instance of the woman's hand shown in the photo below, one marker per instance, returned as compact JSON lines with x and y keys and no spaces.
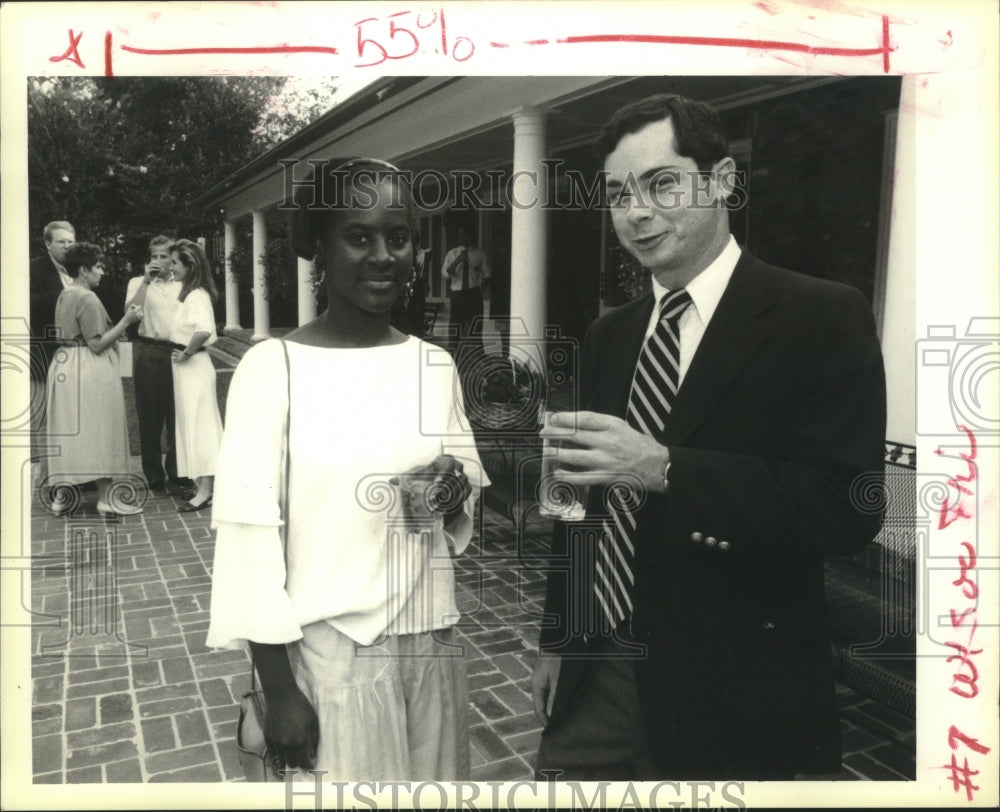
{"x":291,"y":730}
{"x":178,"y":356}
{"x":133,"y":314}
{"x":438,"y":488}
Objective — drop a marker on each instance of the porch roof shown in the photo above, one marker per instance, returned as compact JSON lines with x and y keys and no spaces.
{"x":464,"y":122}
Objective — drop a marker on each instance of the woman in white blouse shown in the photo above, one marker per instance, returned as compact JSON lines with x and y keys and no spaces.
{"x":198,"y":425}
{"x":350,"y":626}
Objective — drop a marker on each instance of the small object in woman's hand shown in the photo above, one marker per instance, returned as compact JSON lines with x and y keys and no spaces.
{"x":438,"y":488}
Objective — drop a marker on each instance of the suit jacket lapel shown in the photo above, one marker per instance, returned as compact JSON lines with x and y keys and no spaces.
{"x":730,"y":339}
{"x":621,"y":355}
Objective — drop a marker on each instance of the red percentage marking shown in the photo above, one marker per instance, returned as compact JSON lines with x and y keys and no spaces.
{"x":403,"y":42}
{"x":460,"y":42}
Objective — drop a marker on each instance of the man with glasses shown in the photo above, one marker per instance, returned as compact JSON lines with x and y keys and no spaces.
{"x":47,"y":278}
{"x":740,"y":408}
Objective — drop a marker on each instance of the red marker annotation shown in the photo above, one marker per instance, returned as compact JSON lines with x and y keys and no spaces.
{"x":884,"y":48}
{"x":956,"y":508}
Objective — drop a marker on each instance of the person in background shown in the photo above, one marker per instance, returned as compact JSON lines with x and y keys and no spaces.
{"x":47,"y":278}
{"x":468,"y":273}
{"x":85,"y":401}
{"x":196,"y":405}
{"x":157,"y":292}
{"x":350,"y":625}
{"x":408,"y":311}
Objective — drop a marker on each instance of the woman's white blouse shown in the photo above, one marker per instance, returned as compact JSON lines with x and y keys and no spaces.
{"x":194,"y":315}
{"x":358,"y":418}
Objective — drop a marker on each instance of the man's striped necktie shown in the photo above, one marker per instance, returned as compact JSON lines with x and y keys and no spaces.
{"x":654,"y":387}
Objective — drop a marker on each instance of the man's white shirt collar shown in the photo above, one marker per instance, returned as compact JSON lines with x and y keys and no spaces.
{"x":706,"y":288}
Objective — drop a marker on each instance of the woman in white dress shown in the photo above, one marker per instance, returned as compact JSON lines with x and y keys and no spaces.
{"x":86,"y":403}
{"x":196,"y":405}
{"x":351,"y":625}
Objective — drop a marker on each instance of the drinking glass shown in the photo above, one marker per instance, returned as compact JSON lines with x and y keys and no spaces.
{"x":558,"y":498}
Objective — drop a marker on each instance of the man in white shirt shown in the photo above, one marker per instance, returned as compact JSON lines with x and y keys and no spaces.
{"x":738,"y":405}
{"x":156,"y":291}
{"x":468,"y":273}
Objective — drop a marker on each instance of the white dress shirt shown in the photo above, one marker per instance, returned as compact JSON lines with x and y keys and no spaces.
{"x":160,"y":306}
{"x":705,"y":290}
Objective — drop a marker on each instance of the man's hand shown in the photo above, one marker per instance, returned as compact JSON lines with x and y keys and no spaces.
{"x":291,"y":730}
{"x":604,"y":448}
{"x":543,"y":685}
{"x":440,"y":487}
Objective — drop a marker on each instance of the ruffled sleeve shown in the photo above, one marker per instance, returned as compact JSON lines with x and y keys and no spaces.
{"x":250,"y":464}
{"x":249,"y":600}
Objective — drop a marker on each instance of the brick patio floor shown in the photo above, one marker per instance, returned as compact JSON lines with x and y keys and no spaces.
{"x":124,"y":689}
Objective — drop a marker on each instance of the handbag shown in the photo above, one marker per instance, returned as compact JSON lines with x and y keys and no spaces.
{"x":250,"y":743}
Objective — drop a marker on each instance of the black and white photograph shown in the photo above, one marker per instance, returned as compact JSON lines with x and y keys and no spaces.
{"x":495,"y":407}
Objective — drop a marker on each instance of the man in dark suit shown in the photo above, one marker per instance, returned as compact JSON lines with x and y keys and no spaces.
{"x":686,"y":633}
{"x":46,"y":280}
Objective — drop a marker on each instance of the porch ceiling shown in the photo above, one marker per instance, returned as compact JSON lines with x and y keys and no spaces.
{"x":443,"y":123}
{"x":578,"y":120}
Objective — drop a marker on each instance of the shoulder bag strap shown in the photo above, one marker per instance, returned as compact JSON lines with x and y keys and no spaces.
{"x":284,"y":484}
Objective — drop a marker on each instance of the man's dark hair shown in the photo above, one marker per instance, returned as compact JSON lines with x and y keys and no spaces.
{"x":698,"y":132}
{"x":82,"y":255}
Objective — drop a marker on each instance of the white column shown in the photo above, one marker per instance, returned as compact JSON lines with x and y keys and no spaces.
{"x":261,"y":313}
{"x":307,"y":304}
{"x":900,"y":300}
{"x":232,"y":289}
{"x":528,"y":222}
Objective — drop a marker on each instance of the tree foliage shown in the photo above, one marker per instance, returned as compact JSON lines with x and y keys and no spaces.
{"x":122,"y":158}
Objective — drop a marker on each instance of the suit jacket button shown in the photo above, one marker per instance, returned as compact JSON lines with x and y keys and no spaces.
{"x":767,"y":625}
{"x":696,"y":536}
{"x":723,"y":545}
{"x":710,"y":541}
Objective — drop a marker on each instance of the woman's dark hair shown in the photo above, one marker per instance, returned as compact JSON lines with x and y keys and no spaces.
{"x":199,"y":272}
{"x":338,"y":185}
{"x":698,"y":132}
{"x":82,"y":255}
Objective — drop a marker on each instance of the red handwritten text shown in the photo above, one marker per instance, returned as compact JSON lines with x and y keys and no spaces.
{"x":404,"y":34}
{"x":955,"y":506}
{"x":953,"y":511}
{"x":397,"y":37}
{"x":71,"y":53}
{"x":961,"y":774}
